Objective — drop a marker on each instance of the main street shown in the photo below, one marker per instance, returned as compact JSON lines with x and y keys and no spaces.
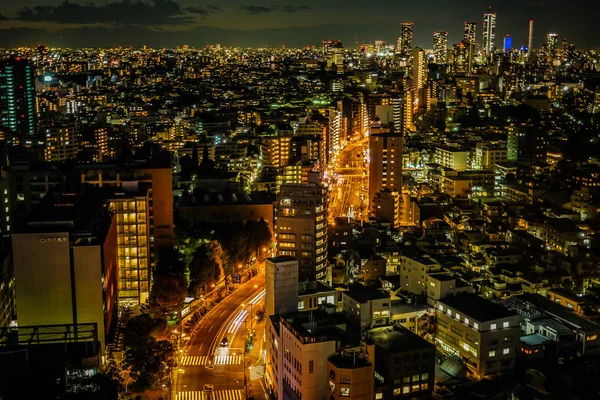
{"x":349,"y":191}
{"x":205,"y":362}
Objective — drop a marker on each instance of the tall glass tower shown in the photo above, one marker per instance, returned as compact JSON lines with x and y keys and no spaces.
{"x":489,"y":32}
{"x":17,"y":97}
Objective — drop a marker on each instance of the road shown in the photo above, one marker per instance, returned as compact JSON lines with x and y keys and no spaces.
{"x":349,"y":192}
{"x":204,"y":361}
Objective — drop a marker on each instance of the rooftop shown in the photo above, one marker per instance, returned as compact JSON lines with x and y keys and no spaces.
{"x":397,"y":340}
{"x":280,"y":259}
{"x":362,"y":294}
{"x":477,"y":307}
{"x":349,"y":359}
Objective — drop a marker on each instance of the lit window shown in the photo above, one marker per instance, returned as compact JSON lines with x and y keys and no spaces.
{"x":458,"y":316}
{"x":475,"y":325}
{"x":506,"y":351}
{"x":345,"y":391}
{"x":441,"y":307}
{"x":493,"y":326}
{"x":492,"y":353}
{"x":505,"y":324}
{"x":467,"y":321}
{"x":406,"y":389}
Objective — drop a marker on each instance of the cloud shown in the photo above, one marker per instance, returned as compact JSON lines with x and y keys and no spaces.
{"x":123,"y":12}
{"x":204,"y":11}
{"x":294,"y":9}
{"x":255,"y":10}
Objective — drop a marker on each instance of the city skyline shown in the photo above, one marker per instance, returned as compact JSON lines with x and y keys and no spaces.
{"x":171,"y":23}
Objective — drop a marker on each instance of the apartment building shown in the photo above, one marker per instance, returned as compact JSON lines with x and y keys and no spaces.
{"x":481,"y":334}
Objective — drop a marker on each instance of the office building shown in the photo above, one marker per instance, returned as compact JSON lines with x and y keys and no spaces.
{"x":405,"y":41}
{"x":17,"y":97}
{"x":440,"y":47}
{"x":281,"y":283}
{"x":470,"y":32}
{"x":334,"y":54}
{"x":65,"y":262}
{"x":489,"y":33}
{"x":61,"y":143}
{"x":551,"y":45}
{"x":301,"y":227}
{"x":463,"y":57}
{"x":385,"y":165}
{"x":507,"y":43}
{"x":481,"y":334}
{"x":404,"y":363}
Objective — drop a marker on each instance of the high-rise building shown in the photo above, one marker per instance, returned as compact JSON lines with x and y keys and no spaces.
{"x":440,"y":47}
{"x":334,"y":54}
{"x":526,"y":144}
{"x":61,"y":143}
{"x":551,"y":44}
{"x":17,"y":97}
{"x":463,"y":58}
{"x":301,"y":227}
{"x":507,"y":43}
{"x":131,"y":208}
{"x":419,"y":70}
{"x":470,"y":35}
{"x":489,"y":33}
{"x":405,"y":41}
{"x":65,"y":262}
{"x":530,"y":41}
{"x":385,"y":166}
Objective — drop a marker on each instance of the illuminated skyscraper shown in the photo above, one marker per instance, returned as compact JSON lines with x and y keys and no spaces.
{"x":419,"y":72}
{"x":440,"y":47}
{"x":507,"y":43}
{"x":463,"y":58}
{"x":551,"y":44}
{"x":470,"y":32}
{"x":405,"y":41}
{"x":17,"y":97}
{"x":489,"y":32}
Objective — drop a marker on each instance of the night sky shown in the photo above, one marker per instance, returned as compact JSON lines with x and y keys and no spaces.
{"x":170,"y":23}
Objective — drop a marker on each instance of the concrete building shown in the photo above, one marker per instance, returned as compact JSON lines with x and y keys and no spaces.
{"x":301,"y":227}
{"x":385,"y":166}
{"x":387,"y":207}
{"x":131,"y":208}
{"x":414,"y":271}
{"x":351,"y":375}
{"x":526,"y":144}
{"x":24,"y":184}
{"x":298,"y":346}
{"x":65,"y":263}
{"x":281,"y":277}
{"x":61,"y":143}
{"x":367,"y":306}
{"x":275,"y":151}
{"x":404,"y":363}
{"x":455,"y":159}
{"x":481,"y":334}
{"x":487,"y":156}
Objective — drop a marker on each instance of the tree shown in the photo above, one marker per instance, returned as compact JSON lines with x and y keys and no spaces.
{"x":140,"y":329}
{"x":151,"y":364}
{"x":168,"y":293}
{"x":170,"y":262}
{"x":206,"y":267}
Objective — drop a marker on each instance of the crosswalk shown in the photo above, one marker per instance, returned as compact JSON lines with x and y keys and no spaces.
{"x":216,"y":395}
{"x":217,"y":360}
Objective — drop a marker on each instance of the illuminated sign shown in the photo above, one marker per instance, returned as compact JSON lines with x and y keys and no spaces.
{"x":53,"y":240}
{"x":47,"y":78}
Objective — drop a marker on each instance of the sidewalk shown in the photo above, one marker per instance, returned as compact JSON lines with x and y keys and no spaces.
{"x":256,"y":357}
